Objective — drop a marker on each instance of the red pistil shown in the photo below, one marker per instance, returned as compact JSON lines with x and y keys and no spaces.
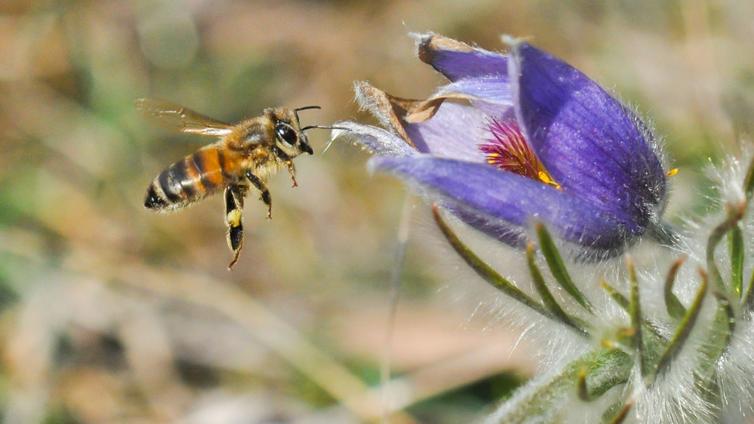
{"x":509,"y":150}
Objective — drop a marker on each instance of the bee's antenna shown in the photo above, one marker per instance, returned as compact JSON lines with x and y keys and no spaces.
{"x":299,"y":109}
{"x":324,"y":127}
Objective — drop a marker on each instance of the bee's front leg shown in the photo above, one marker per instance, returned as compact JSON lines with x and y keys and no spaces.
{"x":288,"y":162}
{"x":292,"y":172}
{"x":265,"y":193}
{"x":234,"y":197}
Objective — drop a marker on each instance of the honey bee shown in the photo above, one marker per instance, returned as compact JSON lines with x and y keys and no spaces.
{"x":247,"y":154}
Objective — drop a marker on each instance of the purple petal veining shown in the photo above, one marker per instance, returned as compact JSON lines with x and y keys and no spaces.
{"x":593,"y":145}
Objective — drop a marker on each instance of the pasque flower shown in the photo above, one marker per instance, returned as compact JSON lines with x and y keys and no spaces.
{"x":520,"y":136}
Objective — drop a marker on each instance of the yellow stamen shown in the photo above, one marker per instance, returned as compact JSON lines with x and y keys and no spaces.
{"x":672,"y":172}
{"x":546,"y":178}
{"x":509,"y":150}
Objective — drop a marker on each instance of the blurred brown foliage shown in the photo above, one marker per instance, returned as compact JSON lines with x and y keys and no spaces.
{"x":110,"y":313}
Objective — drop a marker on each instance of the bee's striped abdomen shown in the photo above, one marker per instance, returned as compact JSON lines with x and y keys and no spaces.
{"x":186,"y":181}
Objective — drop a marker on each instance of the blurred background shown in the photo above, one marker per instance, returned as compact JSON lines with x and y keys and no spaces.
{"x":110,"y":313}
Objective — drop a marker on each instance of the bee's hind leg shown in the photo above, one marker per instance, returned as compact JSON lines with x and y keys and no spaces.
{"x":234,"y":197}
{"x":265,"y":193}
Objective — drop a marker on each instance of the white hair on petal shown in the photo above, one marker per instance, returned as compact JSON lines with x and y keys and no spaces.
{"x":373,"y":139}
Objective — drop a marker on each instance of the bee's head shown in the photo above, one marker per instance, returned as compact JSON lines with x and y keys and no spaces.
{"x":289,"y":136}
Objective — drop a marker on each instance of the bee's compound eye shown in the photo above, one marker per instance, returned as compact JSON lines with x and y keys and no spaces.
{"x":286,"y":134}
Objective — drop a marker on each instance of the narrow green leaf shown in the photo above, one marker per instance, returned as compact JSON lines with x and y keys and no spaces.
{"x":736,"y":250}
{"x":484,"y":270}
{"x":722,"y":293}
{"x":634,"y":311}
{"x":614,"y":294}
{"x":609,"y":414}
{"x":749,"y":181}
{"x":558,"y":268}
{"x":748,"y":301}
{"x":655,"y":336}
{"x":601,"y":373}
{"x":724,"y":305}
{"x":674,"y":306}
{"x":582,"y":389}
{"x":684,"y":328}
{"x":549,"y":301}
{"x":623,"y":413}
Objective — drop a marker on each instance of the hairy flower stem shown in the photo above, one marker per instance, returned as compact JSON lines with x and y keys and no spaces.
{"x":605,"y":369}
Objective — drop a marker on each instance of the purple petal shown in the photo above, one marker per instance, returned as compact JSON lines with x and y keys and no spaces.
{"x":375,"y":140}
{"x":591,"y":144}
{"x":490,"y":93}
{"x":457,"y":60}
{"x":453,"y":132}
{"x":494,"y":200}
{"x":446,"y":127}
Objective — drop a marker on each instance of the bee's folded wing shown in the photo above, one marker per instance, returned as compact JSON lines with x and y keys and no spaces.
{"x":186,"y":120}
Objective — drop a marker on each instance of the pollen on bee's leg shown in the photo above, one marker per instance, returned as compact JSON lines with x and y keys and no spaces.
{"x":233,"y":218}
{"x":509,"y":150}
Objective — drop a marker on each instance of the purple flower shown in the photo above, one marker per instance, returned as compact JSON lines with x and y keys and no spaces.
{"x":520,"y":136}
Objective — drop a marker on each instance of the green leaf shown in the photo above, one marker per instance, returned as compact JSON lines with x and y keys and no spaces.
{"x":736,"y":250}
{"x":549,"y":301}
{"x":485,"y":271}
{"x":614,"y":294}
{"x":674,"y":306}
{"x":634,"y":311}
{"x":583,"y":390}
{"x":749,"y":181}
{"x":619,"y":415}
{"x":558,"y":268}
{"x":684,"y":328}
{"x":655,"y":337}
{"x":722,"y":293}
{"x":748,"y":300}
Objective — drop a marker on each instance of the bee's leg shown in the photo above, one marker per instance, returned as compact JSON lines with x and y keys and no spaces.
{"x":234,"y":196}
{"x":292,"y":172}
{"x":288,"y":162}
{"x":265,"y":197}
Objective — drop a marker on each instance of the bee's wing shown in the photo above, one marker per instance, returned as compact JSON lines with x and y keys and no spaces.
{"x":186,"y":120}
